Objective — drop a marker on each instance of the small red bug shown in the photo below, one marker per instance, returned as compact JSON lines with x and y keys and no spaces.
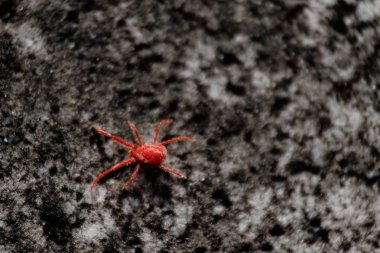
{"x":151,"y":153}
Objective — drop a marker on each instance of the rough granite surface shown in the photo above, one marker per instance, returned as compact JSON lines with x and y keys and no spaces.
{"x":283,"y":98}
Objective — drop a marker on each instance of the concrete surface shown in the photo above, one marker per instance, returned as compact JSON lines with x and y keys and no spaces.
{"x":282,"y":97}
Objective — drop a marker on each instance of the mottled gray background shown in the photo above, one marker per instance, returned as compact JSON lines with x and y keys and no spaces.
{"x":282,"y":97}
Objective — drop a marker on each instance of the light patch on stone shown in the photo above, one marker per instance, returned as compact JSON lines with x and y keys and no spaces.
{"x":109,"y":222}
{"x":249,"y":58}
{"x":376,"y":210}
{"x":368,"y":10}
{"x":319,"y":149}
{"x":4,"y":250}
{"x":97,"y":195}
{"x":167,"y":222}
{"x":136,"y":32}
{"x":110,"y":148}
{"x":248,"y":222}
{"x":227,"y":167}
{"x":151,"y":243}
{"x":69,"y":208}
{"x":31,"y":40}
{"x":261,"y":199}
{"x":202,"y":52}
{"x":197,"y":176}
{"x":335,"y":238}
{"x":219,"y":210}
{"x":308,"y":248}
{"x":93,"y":232}
{"x":285,"y":158}
{"x":347,"y":118}
{"x":205,"y":50}
{"x":183,"y":215}
{"x":313,"y":20}
{"x":129,"y":205}
{"x":243,"y":224}
{"x":216,"y":88}
{"x":233,"y":162}
{"x":316,"y":13}
{"x":179,"y":191}
{"x":261,"y":82}
{"x":299,"y":202}
{"x":345,"y":204}
{"x":372,"y":119}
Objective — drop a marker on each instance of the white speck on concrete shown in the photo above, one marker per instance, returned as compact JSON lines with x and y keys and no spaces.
{"x":285,"y":158}
{"x":197,"y":176}
{"x":219,"y":210}
{"x":261,"y":82}
{"x":68,"y":208}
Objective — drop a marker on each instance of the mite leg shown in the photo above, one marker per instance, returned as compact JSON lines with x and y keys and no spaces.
{"x":134,"y":130}
{"x":124,"y":143}
{"x":160,"y":124}
{"x":115,"y":167}
{"x":172,"y":172}
{"x":177,"y":139}
{"x":133,"y":177}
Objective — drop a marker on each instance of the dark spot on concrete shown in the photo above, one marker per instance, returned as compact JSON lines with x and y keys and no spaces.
{"x":236,"y":89}
{"x":324,"y":123}
{"x":343,"y":90}
{"x":222,"y":196}
{"x":277,"y":230}
{"x":267,"y":247}
{"x":72,"y":16}
{"x":341,"y":10}
{"x":323,"y":234}
{"x":297,"y":167}
{"x":280,"y":104}
{"x":239,"y":176}
{"x":228,"y":58}
{"x":53,"y":170}
{"x":7,"y":10}
{"x":315,"y":222}
{"x":56,"y":225}
{"x":9,"y":64}
{"x":200,"y":249}
{"x":245,"y":247}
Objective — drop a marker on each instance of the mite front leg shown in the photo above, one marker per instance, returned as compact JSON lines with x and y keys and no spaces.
{"x":136,"y":132}
{"x":160,"y":124}
{"x":177,"y":139}
{"x":116,"y":167}
{"x":124,"y":143}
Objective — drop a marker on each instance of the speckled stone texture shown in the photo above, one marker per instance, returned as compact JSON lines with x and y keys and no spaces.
{"x":282,"y":97}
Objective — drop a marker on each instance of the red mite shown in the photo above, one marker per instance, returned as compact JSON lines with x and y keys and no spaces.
{"x":151,"y":153}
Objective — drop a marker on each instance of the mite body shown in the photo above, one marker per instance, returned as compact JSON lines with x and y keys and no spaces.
{"x":153,"y":154}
